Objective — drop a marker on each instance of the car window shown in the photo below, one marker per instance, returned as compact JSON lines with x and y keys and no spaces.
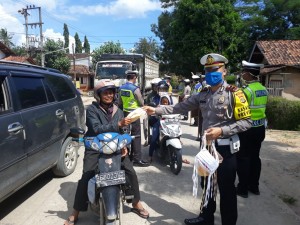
{"x":30,"y":91}
{"x":49,"y":93}
{"x":4,"y":98}
{"x":60,"y":87}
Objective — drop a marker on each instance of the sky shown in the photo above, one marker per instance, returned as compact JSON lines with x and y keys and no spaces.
{"x":124,"y":21}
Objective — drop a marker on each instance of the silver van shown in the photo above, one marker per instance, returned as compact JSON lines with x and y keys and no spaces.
{"x":38,"y":106}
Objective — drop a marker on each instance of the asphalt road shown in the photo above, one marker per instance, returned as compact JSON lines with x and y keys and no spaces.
{"x":48,"y":200}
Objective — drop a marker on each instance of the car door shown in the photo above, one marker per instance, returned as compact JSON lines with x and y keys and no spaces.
{"x":43,"y":121}
{"x":13,"y":163}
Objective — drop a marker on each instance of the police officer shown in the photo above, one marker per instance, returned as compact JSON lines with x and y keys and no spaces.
{"x":153,"y":97}
{"x":168,"y":80}
{"x":129,"y":100}
{"x":225,"y":113}
{"x":248,"y":161}
{"x":197,"y":84}
{"x":195,"y":90}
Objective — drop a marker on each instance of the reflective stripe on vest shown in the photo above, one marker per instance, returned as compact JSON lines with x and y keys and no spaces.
{"x":127,"y":96}
{"x":257,"y":96}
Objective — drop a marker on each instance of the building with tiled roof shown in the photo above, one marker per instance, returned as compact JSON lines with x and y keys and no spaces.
{"x":281,"y":74}
{"x":21,"y":59}
{"x":80,"y":69}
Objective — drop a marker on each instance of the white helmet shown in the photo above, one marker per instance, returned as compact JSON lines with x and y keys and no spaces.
{"x":101,"y":86}
{"x":155,"y":81}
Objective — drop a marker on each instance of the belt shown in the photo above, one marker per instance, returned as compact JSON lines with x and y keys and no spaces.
{"x":225,"y":141}
{"x":257,"y":123}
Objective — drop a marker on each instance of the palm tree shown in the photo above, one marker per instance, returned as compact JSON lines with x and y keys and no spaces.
{"x":5,"y":38}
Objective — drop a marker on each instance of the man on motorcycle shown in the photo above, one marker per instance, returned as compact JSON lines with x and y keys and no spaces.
{"x":103,"y":116}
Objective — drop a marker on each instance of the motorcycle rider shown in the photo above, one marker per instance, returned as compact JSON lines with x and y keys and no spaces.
{"x":103,"y":116}
{"x":162,"y":89}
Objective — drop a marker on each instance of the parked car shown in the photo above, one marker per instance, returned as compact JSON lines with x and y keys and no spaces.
{"x":38,"y":106}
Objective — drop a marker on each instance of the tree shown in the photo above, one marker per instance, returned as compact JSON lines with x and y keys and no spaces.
{"x":271,"y":19}
{"x":86,"y":45}
{"x":66,"y":37}
{"x":55,"y":56}
{"x":78,"y":45}
{"x":19,"y":50}
{"x":148,"y":47}
{"x":108,"y":48}
{"x":5,"y":38}
{"x":195,"y":28}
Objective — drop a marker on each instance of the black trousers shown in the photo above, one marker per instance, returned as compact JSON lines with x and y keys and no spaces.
{"x":136,"y":145}
{"x":226,"y":174}
{"x":248,"y":160}
{"x":89,"y":166}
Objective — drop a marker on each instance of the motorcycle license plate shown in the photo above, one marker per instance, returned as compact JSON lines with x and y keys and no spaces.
{"x":168,"y":121}
{"x":111,"y":178}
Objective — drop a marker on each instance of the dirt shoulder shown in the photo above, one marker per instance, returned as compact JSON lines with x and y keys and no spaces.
{"x":280,"y":156}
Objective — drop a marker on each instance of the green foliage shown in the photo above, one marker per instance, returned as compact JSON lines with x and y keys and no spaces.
{"x":19,"y":50}
{"x":108,"y":48}
{"x":283,"y":114}
{"x":55,"y":57}
{"x":86,"y":45}
{"x":195,"y":28}
{"x":271,"y":19}
{"x":66,"y":37}
{"x":230,"y":79}
{"x":78,"y":45}
{"x":62,"y":64}
{"x":147,"y":47}
{"x":5,"y":38}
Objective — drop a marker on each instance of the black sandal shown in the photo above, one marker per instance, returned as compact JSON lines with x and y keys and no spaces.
{"x":140,"y":212}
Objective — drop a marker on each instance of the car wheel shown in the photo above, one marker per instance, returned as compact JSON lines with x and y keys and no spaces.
{"x":68,"y":158}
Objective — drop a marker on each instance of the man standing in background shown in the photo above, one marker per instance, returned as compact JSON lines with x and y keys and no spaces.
{"x":248,"y":160}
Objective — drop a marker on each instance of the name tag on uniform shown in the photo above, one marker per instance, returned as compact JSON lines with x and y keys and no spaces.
{"x":261,"y":93}
{"x":125,"y":93}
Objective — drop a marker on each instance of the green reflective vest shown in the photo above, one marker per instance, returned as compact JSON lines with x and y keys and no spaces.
{"x":257,"y":96}
{"x":127,"y":96}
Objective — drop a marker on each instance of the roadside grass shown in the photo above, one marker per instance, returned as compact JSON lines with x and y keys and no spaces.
{"x":287,"y":199}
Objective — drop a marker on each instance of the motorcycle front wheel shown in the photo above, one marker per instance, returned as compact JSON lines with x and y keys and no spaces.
{"x":175,"y":159}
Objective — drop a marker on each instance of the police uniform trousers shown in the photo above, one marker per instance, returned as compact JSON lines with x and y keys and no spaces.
{"x":90,"y":164}
{"x":248,"y":160}
{"x":226,"y":174}
{"x":136,"y":145}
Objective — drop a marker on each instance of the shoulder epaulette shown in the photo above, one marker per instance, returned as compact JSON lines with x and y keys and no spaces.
{"x":204,"y":89}
{"x":232,"y":88}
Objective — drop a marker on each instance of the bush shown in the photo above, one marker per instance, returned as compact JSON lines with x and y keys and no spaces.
{"x":283,"y":114}
{"x":230,"y":79}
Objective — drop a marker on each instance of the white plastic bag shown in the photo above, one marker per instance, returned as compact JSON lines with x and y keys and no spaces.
{"x":205,"y":165}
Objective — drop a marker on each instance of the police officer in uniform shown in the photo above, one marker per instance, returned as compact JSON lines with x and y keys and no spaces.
{"x":248,"y":161}
{"x":196,"y":90}
{"x":225,"y":113}
{"x":129,"y":100}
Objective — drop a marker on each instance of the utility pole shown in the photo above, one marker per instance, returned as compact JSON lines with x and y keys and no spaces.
{"x":74,"y":63}
{"x":24,"y":12}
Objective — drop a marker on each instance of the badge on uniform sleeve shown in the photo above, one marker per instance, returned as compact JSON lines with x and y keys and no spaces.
{"x":221,"y":100}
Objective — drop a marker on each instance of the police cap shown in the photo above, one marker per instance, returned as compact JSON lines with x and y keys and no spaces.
{"x":213,"y":60}
{"x":195,"y":77}
{"x":132,"y":72}
{"x":252,"y":68}
{"x":167,"y":77}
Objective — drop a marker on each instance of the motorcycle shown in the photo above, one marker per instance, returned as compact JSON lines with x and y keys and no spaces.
{"x":108,"y":189}
{"x":170,"y":147}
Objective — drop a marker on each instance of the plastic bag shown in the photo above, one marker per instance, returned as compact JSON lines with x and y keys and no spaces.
{"x":205,"y":165}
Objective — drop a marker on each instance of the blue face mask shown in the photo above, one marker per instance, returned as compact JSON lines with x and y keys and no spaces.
{"x":213,"y":78}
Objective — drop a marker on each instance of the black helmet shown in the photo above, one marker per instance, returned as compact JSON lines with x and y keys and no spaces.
{"x":162,"y":86}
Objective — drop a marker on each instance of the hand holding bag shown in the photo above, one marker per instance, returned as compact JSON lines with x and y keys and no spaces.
{"x":205,"y":165}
